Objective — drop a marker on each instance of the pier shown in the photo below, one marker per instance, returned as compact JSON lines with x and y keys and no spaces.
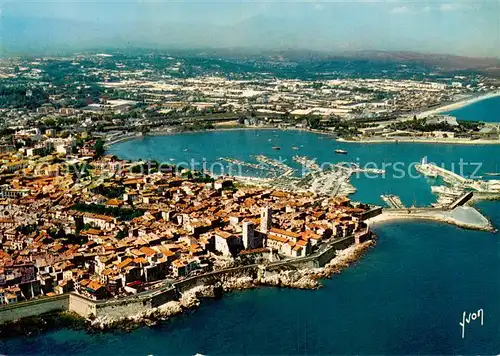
{"x":393,"y":201}
{"x":459,"y":185}
{"x":432,"y":170}
{"x":285,"y":169}
{"x":466,"y":217}
{"x":306,"y":162}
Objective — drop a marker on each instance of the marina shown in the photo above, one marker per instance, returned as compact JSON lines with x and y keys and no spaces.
{"x":456,"y":181}
{"x":363,"y":186}
{"x":284,"y":169}
{"x":445,"y":195}
{"x":307,"y":163}
{"x":242,"y":163}
{"x":337,"y":178}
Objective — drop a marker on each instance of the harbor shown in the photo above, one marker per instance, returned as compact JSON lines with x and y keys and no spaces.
{"x":437,"y":186}
{"x":415,"y":229}
{"x":452,"y":199}
{"x":328,"y":180}
{"x":457,"y":184}
{"x":450,"y":206}
{"x":393,"y":201}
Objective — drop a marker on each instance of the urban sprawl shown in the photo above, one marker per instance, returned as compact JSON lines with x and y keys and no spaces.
{"x":73,"y":218}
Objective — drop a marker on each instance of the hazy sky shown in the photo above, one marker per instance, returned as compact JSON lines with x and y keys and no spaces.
{"x":456,"y":27}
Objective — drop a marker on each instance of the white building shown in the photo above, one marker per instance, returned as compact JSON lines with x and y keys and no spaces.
{"x":226,"y":243}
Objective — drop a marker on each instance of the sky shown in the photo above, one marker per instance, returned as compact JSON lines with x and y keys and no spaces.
{"x":469,"y":28}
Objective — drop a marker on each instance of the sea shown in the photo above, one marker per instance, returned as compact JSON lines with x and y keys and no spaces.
{"x":407,"y":295}
{"x":485,"y":110}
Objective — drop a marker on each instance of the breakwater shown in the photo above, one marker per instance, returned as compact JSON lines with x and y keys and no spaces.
{"x":466,"y":217}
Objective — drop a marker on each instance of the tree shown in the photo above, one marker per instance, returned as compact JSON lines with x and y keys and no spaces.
{"x":122,"y":234}
{"x":49,"y":122}
{"x":99,"y":148}
{"x":313,"y":122}
{"x":65,"y":134}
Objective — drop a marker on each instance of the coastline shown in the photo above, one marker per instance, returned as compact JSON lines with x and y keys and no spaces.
{"x":251,"y":128}
{"x":458,"y":104}
{"x":450,"y":141}
{"x":420,"y":114}
{"x":425,"y":140}
{"x":305,"y":278}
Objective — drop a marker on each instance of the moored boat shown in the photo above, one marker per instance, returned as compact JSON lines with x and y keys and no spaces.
{"x":341,"y":152}
{"x":442,"y":189}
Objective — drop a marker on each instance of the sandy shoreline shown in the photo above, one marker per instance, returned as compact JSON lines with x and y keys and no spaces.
{"x":458,"y":104}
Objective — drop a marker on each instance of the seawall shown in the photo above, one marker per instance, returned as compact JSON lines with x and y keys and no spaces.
{"x":145,"y":301}
{"x":34,"y":307}
{"x":214,"y":277}
{"x":116,"y":308}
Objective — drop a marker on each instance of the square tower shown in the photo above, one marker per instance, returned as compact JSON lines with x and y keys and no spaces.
{"x":248,"y":235}
{"x":266,"y":219}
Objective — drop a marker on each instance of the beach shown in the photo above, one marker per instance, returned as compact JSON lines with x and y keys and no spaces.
{"x":457,"y":105}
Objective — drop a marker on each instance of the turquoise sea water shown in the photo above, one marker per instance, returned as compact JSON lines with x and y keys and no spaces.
{"x":405,"y":296}
{"x":485,"y":110}
{"x":396,"y":159}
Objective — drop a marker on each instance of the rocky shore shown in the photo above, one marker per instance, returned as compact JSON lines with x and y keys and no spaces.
{"x":191,"y":299}
{"x":42,"y":323}
{"x":285,"y":277}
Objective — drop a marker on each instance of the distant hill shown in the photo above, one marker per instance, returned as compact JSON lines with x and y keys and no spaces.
{"x":443,"y":61}
{"x":25,"y":35}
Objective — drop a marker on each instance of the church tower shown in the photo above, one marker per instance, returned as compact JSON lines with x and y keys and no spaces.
{"x":266,"y":219}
